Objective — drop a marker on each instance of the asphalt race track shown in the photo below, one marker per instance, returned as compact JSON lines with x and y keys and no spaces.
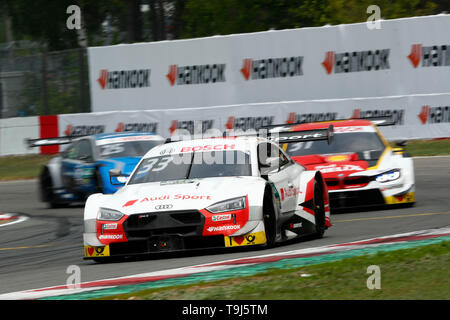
{"x":37,"y":252}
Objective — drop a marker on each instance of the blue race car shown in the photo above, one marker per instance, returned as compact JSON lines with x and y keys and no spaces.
{"x":83,"y":167}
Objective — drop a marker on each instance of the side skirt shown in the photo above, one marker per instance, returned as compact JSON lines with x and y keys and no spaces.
{"x":297,"y":226}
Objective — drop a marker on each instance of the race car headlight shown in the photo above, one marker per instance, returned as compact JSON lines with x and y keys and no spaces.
{"x":109,"y":214}
{"x":227,"y":205}
{"x":388,"y":176}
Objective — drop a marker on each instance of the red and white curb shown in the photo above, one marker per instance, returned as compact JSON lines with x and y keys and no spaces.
{"x":222,"y":265}
{"x":7,"y":219}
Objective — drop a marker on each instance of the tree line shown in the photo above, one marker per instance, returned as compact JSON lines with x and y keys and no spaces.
{"x":108,"y":22}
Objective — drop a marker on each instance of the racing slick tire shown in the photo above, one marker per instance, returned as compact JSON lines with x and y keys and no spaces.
{"x":319,"y":210}
{"x":269,"y":218}
{"x":98,"y":181}
{"x":46,"y":189}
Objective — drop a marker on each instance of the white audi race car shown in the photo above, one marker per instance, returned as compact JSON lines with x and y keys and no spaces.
{"x":207,"y":193}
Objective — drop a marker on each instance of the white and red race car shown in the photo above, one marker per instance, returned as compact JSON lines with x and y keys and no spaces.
{"x":360,"y":167}
{"x":207,"y":193}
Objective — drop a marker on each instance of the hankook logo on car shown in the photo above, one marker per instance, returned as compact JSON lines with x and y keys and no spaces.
{"x":223,"y":228}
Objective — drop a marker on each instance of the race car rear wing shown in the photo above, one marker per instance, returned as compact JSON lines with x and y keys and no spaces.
{"x":377,"y":120}
{"x":284,"y":136}
{"x":281,"y":134}
{"x":31,"y":143}
{"x":380,"y":121}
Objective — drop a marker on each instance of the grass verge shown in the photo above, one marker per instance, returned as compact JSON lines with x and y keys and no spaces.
{"x":428,"y":147}
{"x":22,"y":167}
{"x":408,"y":274}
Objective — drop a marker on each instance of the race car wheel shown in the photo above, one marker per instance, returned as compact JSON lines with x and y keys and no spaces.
{"x":319,"y":210}
{"x":47,"y":194}
{"x":98,"y":182}
{"x":269,"y":218}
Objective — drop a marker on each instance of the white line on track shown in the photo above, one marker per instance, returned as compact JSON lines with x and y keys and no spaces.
{"x":13,"y":221}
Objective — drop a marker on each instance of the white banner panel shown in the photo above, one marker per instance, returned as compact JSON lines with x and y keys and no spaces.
{"x":415,"y":116}
{"x":107,"y":122}
{"x":14,"y":131}
{"x":406,"y":56}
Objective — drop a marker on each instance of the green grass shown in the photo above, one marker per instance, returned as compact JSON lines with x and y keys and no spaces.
{"x":408,"y":274}
{"x":22,"y":167}
{"x":428,"y":147}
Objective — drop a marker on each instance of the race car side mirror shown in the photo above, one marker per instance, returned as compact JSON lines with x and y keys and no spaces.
{"x":401,"y":143}
{"x":330,"y":134}
{"x":270,"y":165}
{"x":116,"y":177}
{"x":115,"y":172}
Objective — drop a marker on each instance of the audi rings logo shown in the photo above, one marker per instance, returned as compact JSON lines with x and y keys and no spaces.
{"x":164,"y":207}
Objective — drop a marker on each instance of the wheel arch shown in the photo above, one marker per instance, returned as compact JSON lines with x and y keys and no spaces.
{"x":326,"y":199}
{"x":54,"y":168}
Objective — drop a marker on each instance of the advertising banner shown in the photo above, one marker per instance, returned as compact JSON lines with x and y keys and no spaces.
{"x":408,"y":56}
{"x":414,"y":117}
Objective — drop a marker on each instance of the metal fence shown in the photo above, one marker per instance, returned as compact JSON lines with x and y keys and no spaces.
{"x":36,"y":82}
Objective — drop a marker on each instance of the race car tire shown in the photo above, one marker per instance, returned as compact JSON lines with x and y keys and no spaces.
{"x":319,"y":210}
{"x":98,"y":182}
{"x":46,"y":188}
{"x":269,"y":217}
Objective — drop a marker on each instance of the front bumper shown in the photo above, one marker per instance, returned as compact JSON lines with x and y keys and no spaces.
{"x":166,"y":232}
{"x":172,"y":243}
{"x":367,"y":198}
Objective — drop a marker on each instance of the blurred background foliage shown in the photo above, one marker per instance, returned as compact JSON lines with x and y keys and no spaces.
{"x":125,"y":21}
{"x":43,"y":64}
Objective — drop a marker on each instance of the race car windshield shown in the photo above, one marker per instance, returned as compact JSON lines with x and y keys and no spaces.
{"x":126,"y":149}
{"x":192,"y":166}
{"x":357,"y":142}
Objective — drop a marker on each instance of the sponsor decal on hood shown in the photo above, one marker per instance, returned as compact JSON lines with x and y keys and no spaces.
{"x":339,"y":168}
{"x":181,"y":197}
